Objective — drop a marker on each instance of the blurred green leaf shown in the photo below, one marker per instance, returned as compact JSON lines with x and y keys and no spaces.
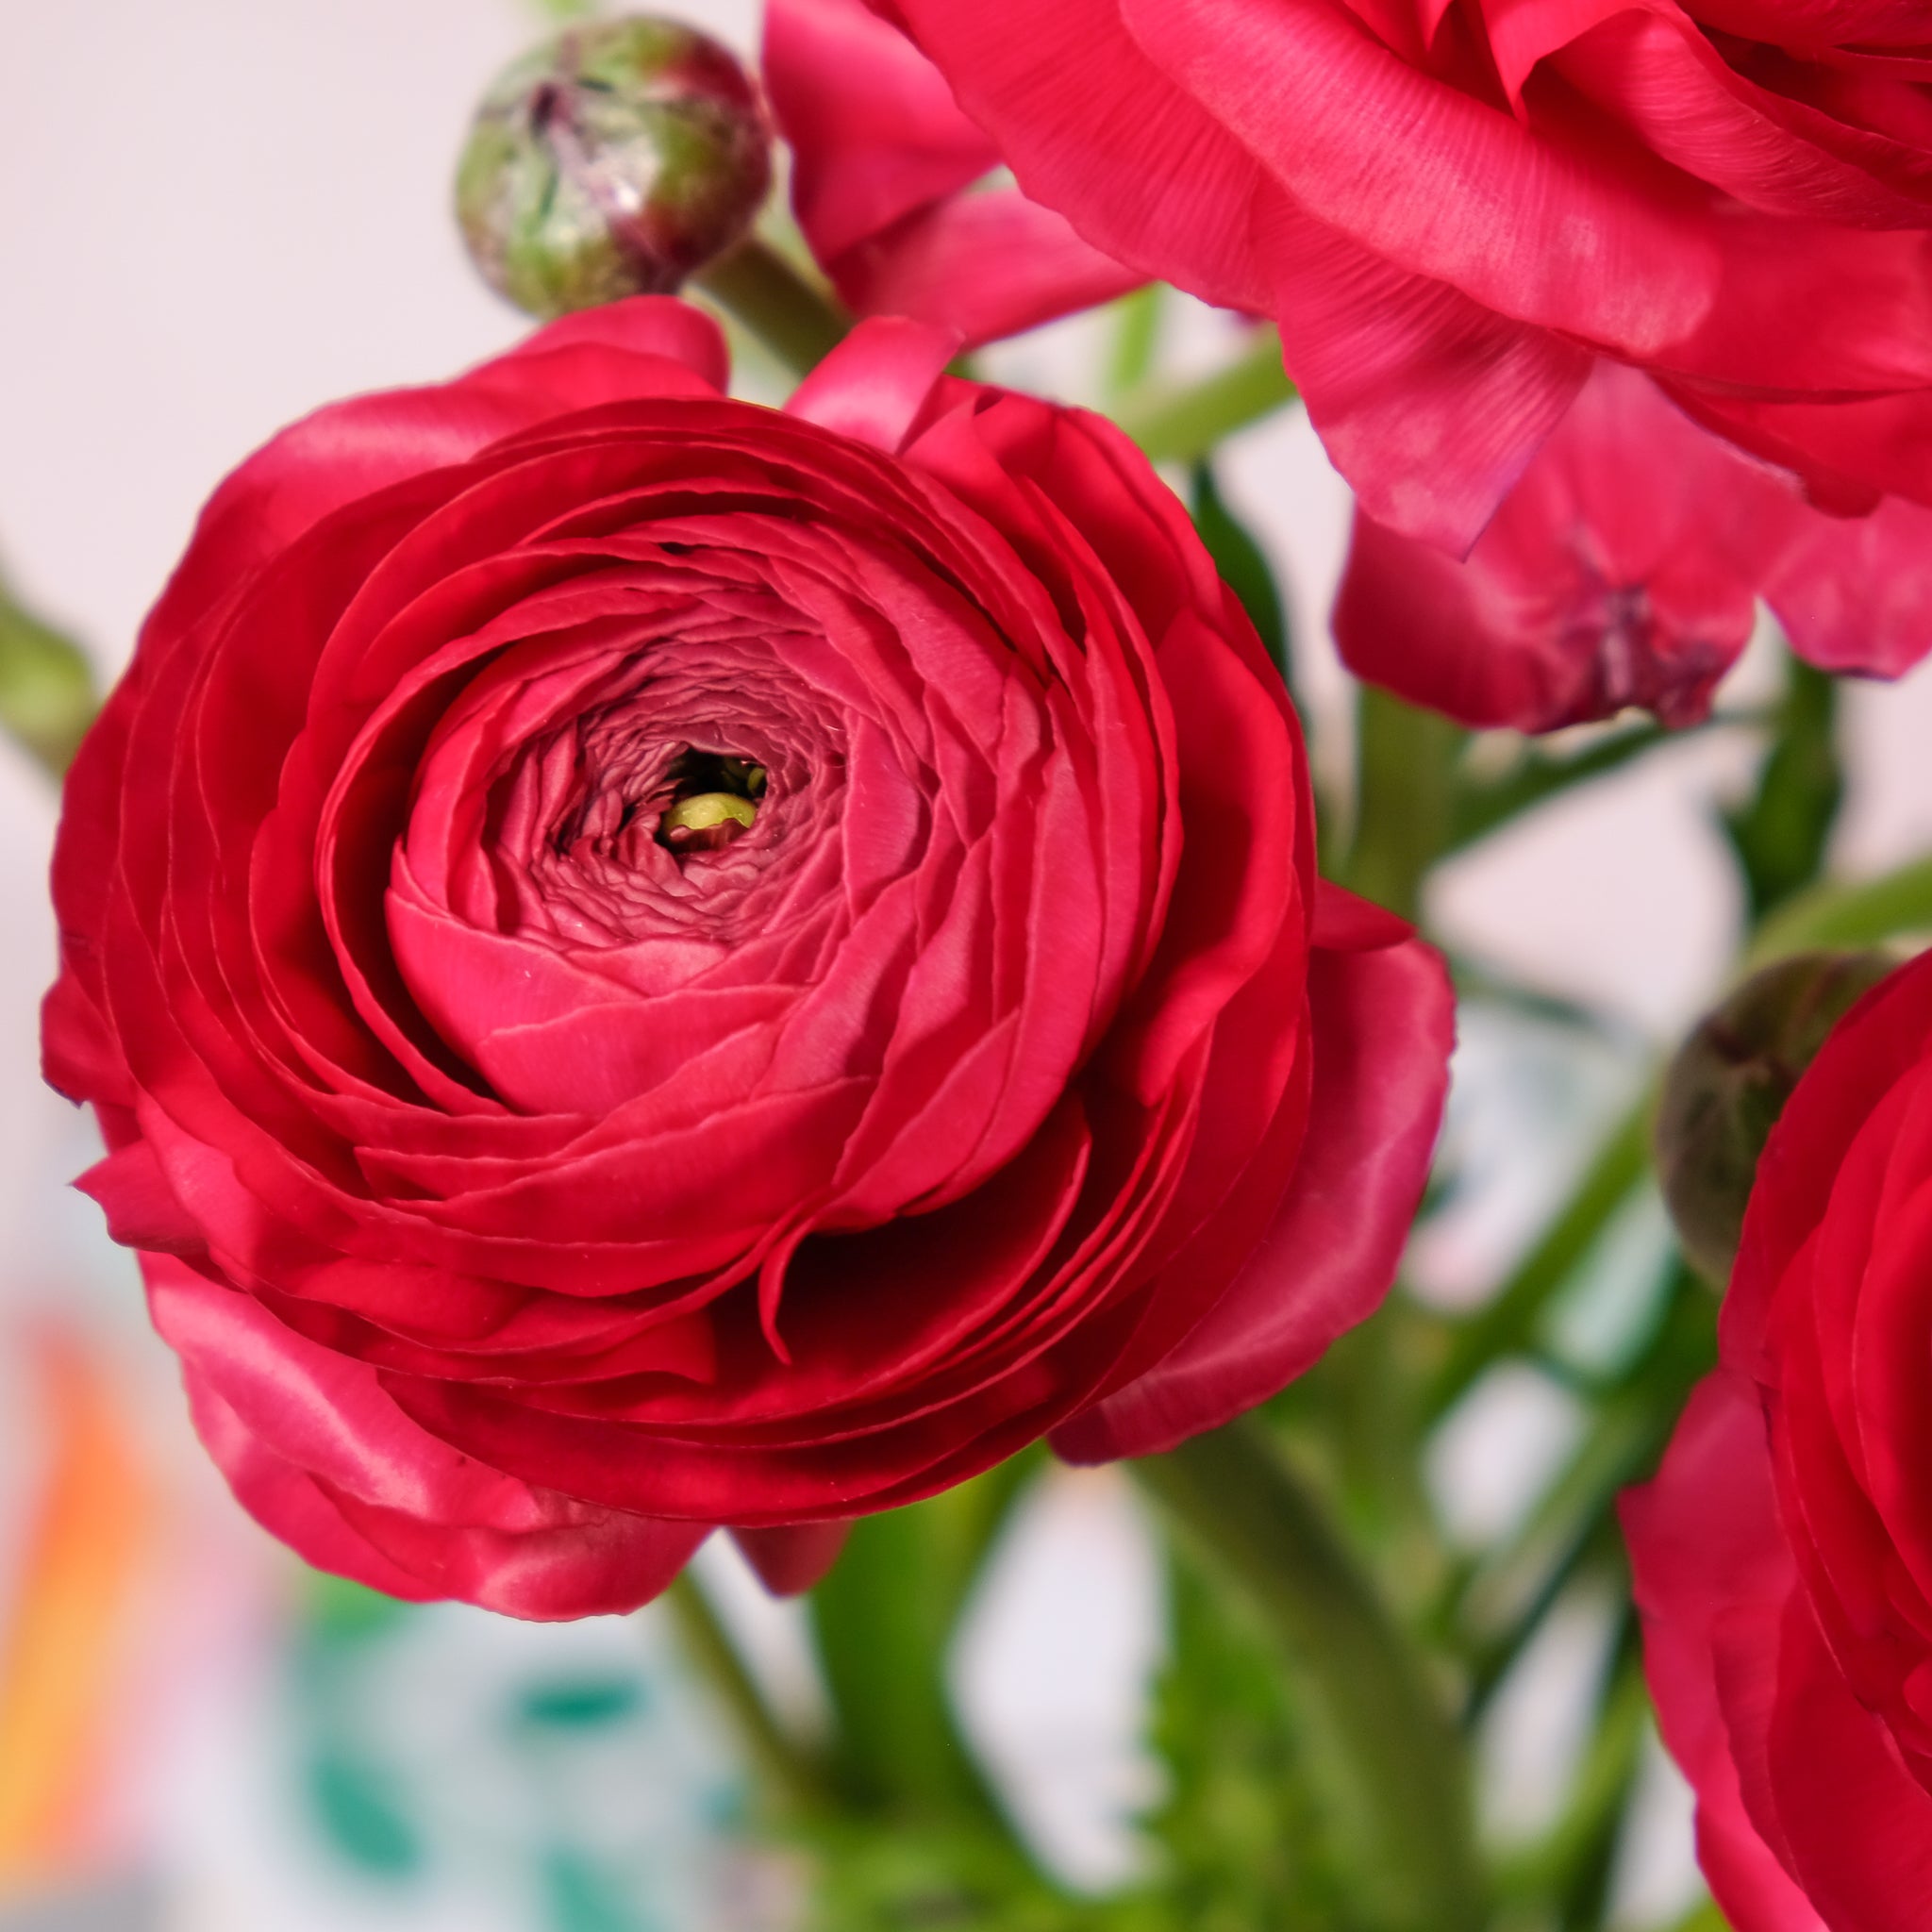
{"x":47,"y":686}
{"x":1136,"y":336}
{"x":1537,"y":776}
{"x":1405,"y":777}
{"x":1389,"y":1769}
{"x":1504,"y":1325}
{"x":1243,"y":568}
{"x":1239,"y":1831}
{"x":1856,"y":912}
{"x":1781,"y":833}
{"x":1514,"y":1587}
{"x":884,"y":1621}
{"x":1181,"y":422}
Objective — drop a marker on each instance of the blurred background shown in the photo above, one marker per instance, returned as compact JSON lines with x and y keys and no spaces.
{"x":215,"y":214}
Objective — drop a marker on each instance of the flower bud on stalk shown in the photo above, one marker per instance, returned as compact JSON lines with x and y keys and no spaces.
{"x":613,"y":160}
{"x":1729,"y":1082}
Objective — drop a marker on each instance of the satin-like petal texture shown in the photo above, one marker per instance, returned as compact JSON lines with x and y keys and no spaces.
{"x":1453,"y":206}
{"x":1784,"y":1553}
{"x":529,"y":1189}
{"x":897,"y":192}
{"x":1626,"y":569}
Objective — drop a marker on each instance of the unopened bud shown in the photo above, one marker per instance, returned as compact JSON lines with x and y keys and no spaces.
{"x":613,"y":160}
{"x":1729,"y":1082}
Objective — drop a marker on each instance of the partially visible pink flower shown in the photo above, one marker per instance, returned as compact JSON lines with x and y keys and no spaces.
{"x":1453,"y":207}
{"x":889,"y":185}
{"x":1626,"y":569}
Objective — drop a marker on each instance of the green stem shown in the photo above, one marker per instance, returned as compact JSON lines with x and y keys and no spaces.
{"x":1184,"y":424}
{"x":1406,"y":785}
{"x":788,"y":1771}
{"x":789,"y":315}
{"x":1390,"y":1764}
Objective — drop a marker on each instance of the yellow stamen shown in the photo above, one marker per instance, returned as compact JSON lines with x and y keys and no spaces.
{"x":706,"y":810}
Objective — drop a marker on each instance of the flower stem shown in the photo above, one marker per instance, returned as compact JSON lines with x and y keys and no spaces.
{"x":1406,"y":792}
{"x":1183,"y":424}
{"x":1390,"y":1762}
{"x":787,"y":1769}
{"x":797,"y":323}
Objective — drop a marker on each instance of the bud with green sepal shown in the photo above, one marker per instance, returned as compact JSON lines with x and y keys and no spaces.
{"x":616,"y":159}
{"x":1729,"y":1082}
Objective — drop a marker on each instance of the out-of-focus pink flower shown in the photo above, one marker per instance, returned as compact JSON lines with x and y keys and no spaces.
{"x":1783,"y":1556}
{"x":889,"y":185}
{"x":1454,"y":207}
{"x":1626,"y":569}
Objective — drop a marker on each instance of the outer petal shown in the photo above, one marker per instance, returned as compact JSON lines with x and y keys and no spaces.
{"x":1431,"y":405}
{"x":1077,"y":109}
{"x":873,"y":385}
{"x":987,"y":265}
{"x":883,"y":163}
{"x":1621,"y":570}
{"x":1705,"y":1541}
{"x":1518,"y":217}
{"x":1855,"y":593}
{"x":1383,"y":1024}
{"x":324,"y":1459}
{"x":791,"y":1559}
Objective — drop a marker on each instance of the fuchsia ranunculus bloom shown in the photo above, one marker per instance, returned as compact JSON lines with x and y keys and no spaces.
{"x":1624,"y":567}
{"x":1784,"y":1555}
{"x":1453,"y":207}
{"x":899,"y":193}
{"x":647,"y":962}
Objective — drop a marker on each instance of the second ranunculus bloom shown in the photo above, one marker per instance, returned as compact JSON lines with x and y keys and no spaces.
{"x":1784,"y":1555}
{"x":647,"y":963}
{"x":1452,"y":207}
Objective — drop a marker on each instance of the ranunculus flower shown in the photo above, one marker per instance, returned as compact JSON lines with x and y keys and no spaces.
{"x":898,"y":192}
{"x":1453,"y":207}
{"x":1784,"y":1555}
{"x":1624,"y":567}
{"x":647,"y":962}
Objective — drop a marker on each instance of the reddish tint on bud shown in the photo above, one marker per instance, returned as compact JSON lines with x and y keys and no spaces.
{"x":1730,"y":1081}
{"x":615,"y":159}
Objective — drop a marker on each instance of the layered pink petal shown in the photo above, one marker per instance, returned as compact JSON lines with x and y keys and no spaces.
{"x":1330,"y":1251}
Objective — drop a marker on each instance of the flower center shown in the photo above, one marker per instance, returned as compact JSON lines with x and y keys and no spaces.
{"x":714,"y":800}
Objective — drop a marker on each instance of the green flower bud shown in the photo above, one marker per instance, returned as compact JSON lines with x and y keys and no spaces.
{"x":1729,"y":1082}
{"x":613,"y":160}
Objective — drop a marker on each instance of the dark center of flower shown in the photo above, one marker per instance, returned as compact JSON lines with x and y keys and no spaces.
{"x":714,"y":800}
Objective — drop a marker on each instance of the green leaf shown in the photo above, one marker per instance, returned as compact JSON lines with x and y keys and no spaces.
{"x":1390,"y":1768}
{"x":1505,"y":1323}
{"x":1848,"y":913}
{"x":1537,"y":776}
{"x":1406,"y":774}
{"x":883,"y":1619}
{"x":1137,"y":335}
{"x":1239,"y":1830}
{"x":1183,"y":423}
{"x":1781,"y":833}
{"x":1243,"y":568}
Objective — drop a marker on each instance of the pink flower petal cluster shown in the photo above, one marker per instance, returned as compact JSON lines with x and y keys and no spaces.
{"x":1454,"y":209}
{"x":1784,"y":1555}
{"x":1625,"y":568}
{"x":527,"y":1193}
